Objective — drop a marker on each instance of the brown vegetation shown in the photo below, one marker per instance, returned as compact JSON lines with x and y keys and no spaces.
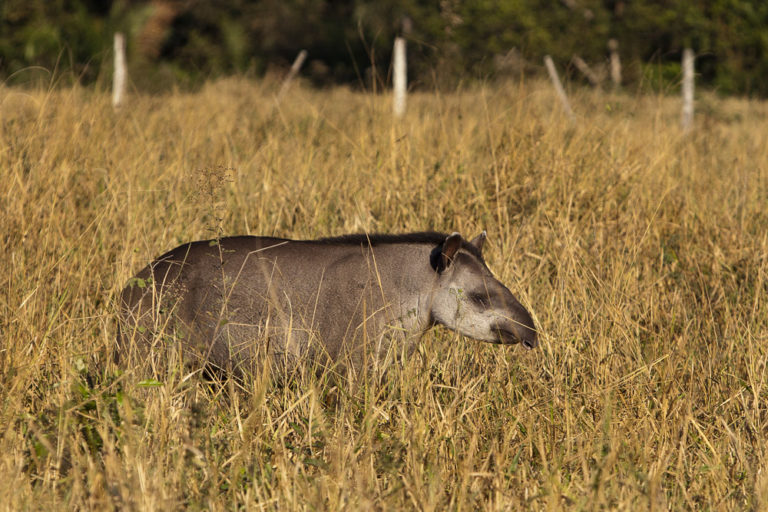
{"x":642,"y":254}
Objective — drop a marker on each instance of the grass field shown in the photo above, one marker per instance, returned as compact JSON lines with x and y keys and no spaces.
{"x":642,"y":255}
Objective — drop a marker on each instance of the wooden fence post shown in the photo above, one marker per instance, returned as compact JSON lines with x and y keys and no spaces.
{"x":613,"y":47}
{"x":586,"y":70}
{"x":295,"y":67}
{"x":558,"y":86}
{"x":687,"y":118}
{"x":399,"y":78}
{"x":118,"y":78}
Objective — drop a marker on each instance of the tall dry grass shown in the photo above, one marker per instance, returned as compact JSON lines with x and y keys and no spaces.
{"x":642,"y":254}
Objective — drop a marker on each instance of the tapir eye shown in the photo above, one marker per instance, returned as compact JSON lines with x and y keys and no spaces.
{"x":480,"y":299}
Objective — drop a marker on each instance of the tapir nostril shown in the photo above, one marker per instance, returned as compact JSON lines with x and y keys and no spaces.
{"x":528,"y":337}
{"x":516,"y":333}
{"x":526,"y":329}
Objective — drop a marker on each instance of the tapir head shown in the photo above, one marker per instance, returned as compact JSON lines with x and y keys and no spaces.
{"x":469,"y":300}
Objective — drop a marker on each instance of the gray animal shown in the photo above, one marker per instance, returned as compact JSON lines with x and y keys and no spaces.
{"x":346,"y":302}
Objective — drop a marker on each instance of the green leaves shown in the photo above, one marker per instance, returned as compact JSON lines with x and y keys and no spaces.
{"x":150,"y":383}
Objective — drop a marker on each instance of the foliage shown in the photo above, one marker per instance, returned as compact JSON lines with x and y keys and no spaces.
{"x":183,"y":43}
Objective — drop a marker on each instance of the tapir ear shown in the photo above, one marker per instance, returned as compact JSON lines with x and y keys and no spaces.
{"x":479,"y":240}
{"x":442,"y":256}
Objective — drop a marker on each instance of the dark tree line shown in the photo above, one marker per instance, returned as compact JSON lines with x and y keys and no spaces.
{"x":186,"y":41}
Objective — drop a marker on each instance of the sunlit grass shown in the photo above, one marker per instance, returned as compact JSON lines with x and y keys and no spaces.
{"x":642,"y":255}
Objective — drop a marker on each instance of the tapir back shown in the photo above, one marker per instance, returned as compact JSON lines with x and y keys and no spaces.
{"x":227,"y":300}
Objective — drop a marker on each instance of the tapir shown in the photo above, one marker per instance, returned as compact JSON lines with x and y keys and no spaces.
{"x":343,"y":302}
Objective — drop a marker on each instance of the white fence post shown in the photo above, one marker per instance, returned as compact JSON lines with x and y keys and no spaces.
{"x":558,"y":86}
{"x":613,"y":46}
{"x":687,"y":118}
{"x":118,"y":79}
{"x":295,"y":67}
{"x":400,"y":78}
{"x":586,"y":70}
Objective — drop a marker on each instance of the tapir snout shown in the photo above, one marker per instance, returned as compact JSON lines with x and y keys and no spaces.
{"x":518,"y":329}
{"x":515,"y":324}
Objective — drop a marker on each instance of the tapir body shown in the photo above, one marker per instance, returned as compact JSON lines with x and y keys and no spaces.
{"x":345,"y":301}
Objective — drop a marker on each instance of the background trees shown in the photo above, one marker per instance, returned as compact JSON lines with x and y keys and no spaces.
{"x":185,"y":41}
